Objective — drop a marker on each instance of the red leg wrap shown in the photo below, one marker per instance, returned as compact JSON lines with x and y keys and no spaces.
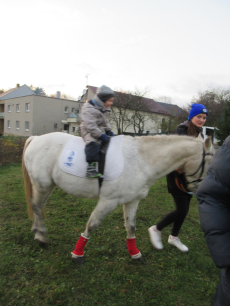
{"x":131,"y":245}
{"x":80,"y":245}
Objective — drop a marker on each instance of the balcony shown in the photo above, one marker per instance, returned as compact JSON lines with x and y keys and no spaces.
{"x":1,"y":115}
{"x":72,"y":118}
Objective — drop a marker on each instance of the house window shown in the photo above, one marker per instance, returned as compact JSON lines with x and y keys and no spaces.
{"x":78,"y":111}
{"x":27,"y":125}
{"x":73,"y":128}
{"x":8,"y":124}
{"x":17,"y":108}
{"x":17,"y":125}
{"x":73,"y":109}
{"x":27,"y":107}
{"x":163,"y":120}
{"x":9,"y":108}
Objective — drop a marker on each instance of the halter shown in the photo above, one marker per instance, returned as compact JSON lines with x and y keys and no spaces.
{"x":183,"y":186}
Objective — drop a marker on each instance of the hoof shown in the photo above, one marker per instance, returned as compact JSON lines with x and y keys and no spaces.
{"x":42,"y":240}
{"x":140,"y":259}
{"x":78,"y":260}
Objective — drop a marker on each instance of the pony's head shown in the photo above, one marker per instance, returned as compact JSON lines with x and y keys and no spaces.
{"x":196,"y":168}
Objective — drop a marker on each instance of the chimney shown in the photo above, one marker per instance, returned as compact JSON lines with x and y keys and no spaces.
{"x":58,"y":94}
{"x":18,"y":85}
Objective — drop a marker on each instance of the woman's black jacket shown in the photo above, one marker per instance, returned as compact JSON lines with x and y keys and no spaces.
{"x":182,"y":129}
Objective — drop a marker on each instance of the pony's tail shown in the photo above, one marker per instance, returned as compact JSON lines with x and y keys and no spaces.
{"x":27,"y":181}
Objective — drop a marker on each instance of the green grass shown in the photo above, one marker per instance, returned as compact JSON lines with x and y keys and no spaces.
{"x":31,"y":275}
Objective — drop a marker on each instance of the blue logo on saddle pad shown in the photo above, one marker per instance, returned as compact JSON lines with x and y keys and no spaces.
{"x":69,"y":158}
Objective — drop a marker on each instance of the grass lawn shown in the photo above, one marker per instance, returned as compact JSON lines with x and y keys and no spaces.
{"x":31,"y":275}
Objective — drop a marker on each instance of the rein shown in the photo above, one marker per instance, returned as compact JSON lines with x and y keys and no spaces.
{"x":183,"y":185}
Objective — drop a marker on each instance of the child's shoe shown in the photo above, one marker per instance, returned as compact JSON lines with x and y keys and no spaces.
{"x":92,"y":171}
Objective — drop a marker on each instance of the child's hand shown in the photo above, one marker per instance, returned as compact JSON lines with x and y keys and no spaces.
{"x":104,"y":138}
{"x":110,"y":133}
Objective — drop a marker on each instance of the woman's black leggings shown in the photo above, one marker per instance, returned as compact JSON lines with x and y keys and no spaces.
{"x":177,"y":216}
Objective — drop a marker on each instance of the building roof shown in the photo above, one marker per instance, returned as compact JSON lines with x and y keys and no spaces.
{"x":6,"y":92}
{"x":173,"y":109}
{"x":151,"y":105}
{"x":19,"y":91}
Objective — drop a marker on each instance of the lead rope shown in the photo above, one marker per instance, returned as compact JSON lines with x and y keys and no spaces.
{"x":182,"y":188}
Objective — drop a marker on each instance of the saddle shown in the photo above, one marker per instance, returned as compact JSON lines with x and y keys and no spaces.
{"x":72,"y":158}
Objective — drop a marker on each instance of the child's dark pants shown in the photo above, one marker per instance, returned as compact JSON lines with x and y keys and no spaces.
{"x":92,"y":151}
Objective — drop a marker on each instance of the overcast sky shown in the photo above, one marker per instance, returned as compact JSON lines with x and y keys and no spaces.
{"x":174,"y":47}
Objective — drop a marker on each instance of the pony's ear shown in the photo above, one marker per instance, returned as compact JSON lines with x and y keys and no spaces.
{"x":208,"y":143}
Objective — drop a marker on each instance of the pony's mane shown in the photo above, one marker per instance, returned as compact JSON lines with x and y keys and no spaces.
{"x":146,"y":139}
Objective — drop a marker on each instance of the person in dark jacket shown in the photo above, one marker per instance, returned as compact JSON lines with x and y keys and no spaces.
{"x":95,"y":127}
{"x":193,"y":127}
{"x":213,"y":196}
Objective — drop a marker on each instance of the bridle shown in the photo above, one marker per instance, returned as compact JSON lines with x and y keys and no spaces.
{"x":183,"y":185}
{"x":202,"y":164}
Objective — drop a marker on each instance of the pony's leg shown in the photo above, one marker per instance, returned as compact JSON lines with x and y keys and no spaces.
{"x":38,"y":201}
{"x":103,"y":208}
{"x":130,"y":210}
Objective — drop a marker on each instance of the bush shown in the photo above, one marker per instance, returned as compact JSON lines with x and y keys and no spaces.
{"x":11,"y":149}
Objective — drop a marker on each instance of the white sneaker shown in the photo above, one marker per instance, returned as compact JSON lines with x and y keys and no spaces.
{"x":155,"y":237}
{"x":177,"y":243}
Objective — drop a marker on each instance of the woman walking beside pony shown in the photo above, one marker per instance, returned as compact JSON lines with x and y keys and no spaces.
{"x":192,"y":127}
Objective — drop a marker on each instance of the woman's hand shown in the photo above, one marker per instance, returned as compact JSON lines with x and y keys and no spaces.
{"x":180,"y":170}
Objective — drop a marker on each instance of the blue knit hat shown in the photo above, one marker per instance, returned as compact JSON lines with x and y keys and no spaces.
{"x":197,"y":109}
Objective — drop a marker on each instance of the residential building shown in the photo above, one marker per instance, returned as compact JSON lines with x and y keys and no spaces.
{"x":23,"y":113}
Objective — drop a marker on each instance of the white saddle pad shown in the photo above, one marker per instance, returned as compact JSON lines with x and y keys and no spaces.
{"x":73,"y":159}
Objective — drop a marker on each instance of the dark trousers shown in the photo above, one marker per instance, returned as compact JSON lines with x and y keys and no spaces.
{"x":92,"y":152}
{"x":177,"y":216}
{"x":215,"y":223}
{"x":222,"y":296}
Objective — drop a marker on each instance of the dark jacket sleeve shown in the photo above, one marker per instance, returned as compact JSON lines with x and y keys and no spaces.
{"x":213,"y":196}
{"x":172,"y":188}
{"x":181,"y":130}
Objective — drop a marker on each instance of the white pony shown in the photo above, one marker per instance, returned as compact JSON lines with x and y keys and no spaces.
{"x":146,"y":159}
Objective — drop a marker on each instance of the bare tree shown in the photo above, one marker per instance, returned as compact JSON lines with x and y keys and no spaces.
{"x":131,"y":109}
{"x":178,"y":115}
{"x":38,"y":90}
{"x":141,"y":111}
{"x":164,"y":99}
{"x":215,"y":101}
{"x":119,"y":115}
